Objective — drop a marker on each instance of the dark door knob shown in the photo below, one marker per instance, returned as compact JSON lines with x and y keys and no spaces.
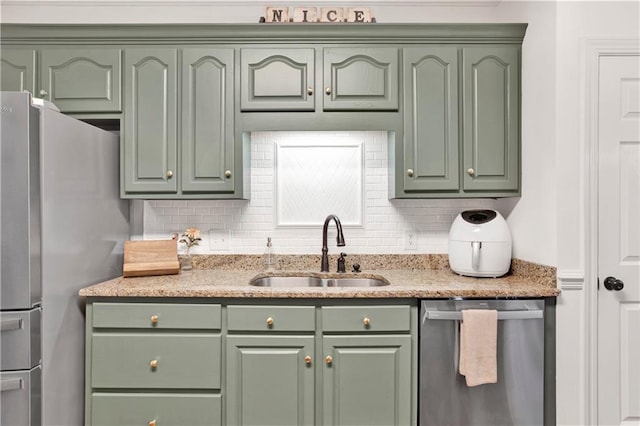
{"x":612,"y":283}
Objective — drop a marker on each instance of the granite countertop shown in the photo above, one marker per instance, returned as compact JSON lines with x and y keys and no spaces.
{"x":409,"y":276}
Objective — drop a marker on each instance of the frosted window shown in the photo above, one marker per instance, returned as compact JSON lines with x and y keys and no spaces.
{"x":318,"y":174}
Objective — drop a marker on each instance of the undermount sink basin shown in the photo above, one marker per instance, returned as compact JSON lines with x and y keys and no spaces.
{"x":318,"y":282}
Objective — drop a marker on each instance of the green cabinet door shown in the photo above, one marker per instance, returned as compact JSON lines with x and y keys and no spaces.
{"x":431,"y":161}
{"x":491,"y":114}
{"x":269,"y":381}
{"x":277,"y":79}
{"x":366,"y":380}
{"x":358,"y":78}
{"x":149,"y":142}
{"x":207,"y":142}
{"x":17,"y":69}
{"x":82,"y":79}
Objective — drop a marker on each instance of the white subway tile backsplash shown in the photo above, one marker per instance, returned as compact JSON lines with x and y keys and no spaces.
{"x":250,"y":222}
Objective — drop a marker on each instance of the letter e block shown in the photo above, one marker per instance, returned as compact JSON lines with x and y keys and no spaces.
{"x":359,"y":14}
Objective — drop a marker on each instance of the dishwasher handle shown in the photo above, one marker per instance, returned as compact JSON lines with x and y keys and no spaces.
{"x":502,"y":315}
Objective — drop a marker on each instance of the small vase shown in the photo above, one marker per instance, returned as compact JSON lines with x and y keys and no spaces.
{"x":186,"y":262}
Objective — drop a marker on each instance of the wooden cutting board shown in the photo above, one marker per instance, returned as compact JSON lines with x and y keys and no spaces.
{"x":154,"y":257}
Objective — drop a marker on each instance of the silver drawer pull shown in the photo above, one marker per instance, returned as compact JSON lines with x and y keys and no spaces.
{"x":10,"y":384}
{"x":11,"y":324}
{"x":502,"y":315}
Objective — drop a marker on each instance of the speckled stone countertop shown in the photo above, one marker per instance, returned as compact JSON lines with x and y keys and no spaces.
{"x":409,"y":276}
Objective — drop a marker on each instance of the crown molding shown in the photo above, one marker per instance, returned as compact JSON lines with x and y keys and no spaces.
{"x":242,"y":3}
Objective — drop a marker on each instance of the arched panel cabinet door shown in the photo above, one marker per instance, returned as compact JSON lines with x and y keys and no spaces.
{"x":149,"y":147}
{"x":491,"y":102}
{"x":207,"y":142}
{"x":81,"y":79}
{"x":17,"y":70}
{"x":360,"y":79}
{"x":277,"y":79}
{"x":430,"y":119}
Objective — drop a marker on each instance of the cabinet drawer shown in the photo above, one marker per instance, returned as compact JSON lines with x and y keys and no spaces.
{"x":156,"y":315}
{"x":186,"y":361}
{"x":366,"y":318}
{"x":268,"y":318}
{"x":166,"y":409}
{"x":19,"y":339}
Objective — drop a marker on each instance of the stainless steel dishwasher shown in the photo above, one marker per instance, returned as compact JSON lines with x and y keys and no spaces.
{"x":518,"y":396}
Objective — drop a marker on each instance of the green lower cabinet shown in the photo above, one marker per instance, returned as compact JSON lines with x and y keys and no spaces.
{"x":161,"y":409}
{"x":270,"y":380}
{"x":366,"y":380}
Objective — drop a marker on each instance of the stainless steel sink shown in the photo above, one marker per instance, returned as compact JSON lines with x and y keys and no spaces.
{"x":301,"y":281}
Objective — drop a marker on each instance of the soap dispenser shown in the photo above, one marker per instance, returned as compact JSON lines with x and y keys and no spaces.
{"x":269,"y":258}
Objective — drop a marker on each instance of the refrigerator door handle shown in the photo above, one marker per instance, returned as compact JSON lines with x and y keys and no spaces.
{"x":11,"y":384}
{"x":502,"y":315}
{"x":10,"y":324}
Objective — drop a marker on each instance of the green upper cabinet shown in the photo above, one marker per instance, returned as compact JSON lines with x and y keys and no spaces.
{"x":367,"y":380}
{"x":207,"y":142}
{"x":431,"y":119}
{"x":277,"y":79}
{"x":149,"y":154}
{"x":491,"y":112}
{"x":82,"y":79}
{"x":461,"y":123}
{"x":360,"y":79}
{"x":270,"y":380}
{"x":184,"y":150}
{"x":348,"y":79}
{"x":17,"y":68}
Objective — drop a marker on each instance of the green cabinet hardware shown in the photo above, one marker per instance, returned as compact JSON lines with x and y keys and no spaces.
{"x":17,"y":69}
{"x":461,"y":122}
{"x":270,"y":380}
{"x":156,"y":409}
{"x":149,"y":141}
{"x":81,"y":79}
{"x":366,"y":380}
{"x":352,"y":79}
{"x":360,"y":79}
{"x":277,"y":79}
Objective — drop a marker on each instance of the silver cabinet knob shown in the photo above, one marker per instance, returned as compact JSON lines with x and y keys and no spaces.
{"x":169,"y":174}
{"x":410,"y":172}
{"x":309,"y":90}
{"x":43,"y":92}
{"x":227,"y":173}
{"x":470,"y":171}
{"x":327,"y":90}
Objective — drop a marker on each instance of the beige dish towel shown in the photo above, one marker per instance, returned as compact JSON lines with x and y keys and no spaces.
{"x":478,"y":343}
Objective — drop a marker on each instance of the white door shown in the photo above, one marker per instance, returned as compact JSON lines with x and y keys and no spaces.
{"x":619,"y":241}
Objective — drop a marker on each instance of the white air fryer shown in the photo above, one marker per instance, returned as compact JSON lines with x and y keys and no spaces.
{"x":480,"y":244}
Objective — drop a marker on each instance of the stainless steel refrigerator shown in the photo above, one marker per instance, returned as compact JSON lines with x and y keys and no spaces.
{"x":63,"y":227}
